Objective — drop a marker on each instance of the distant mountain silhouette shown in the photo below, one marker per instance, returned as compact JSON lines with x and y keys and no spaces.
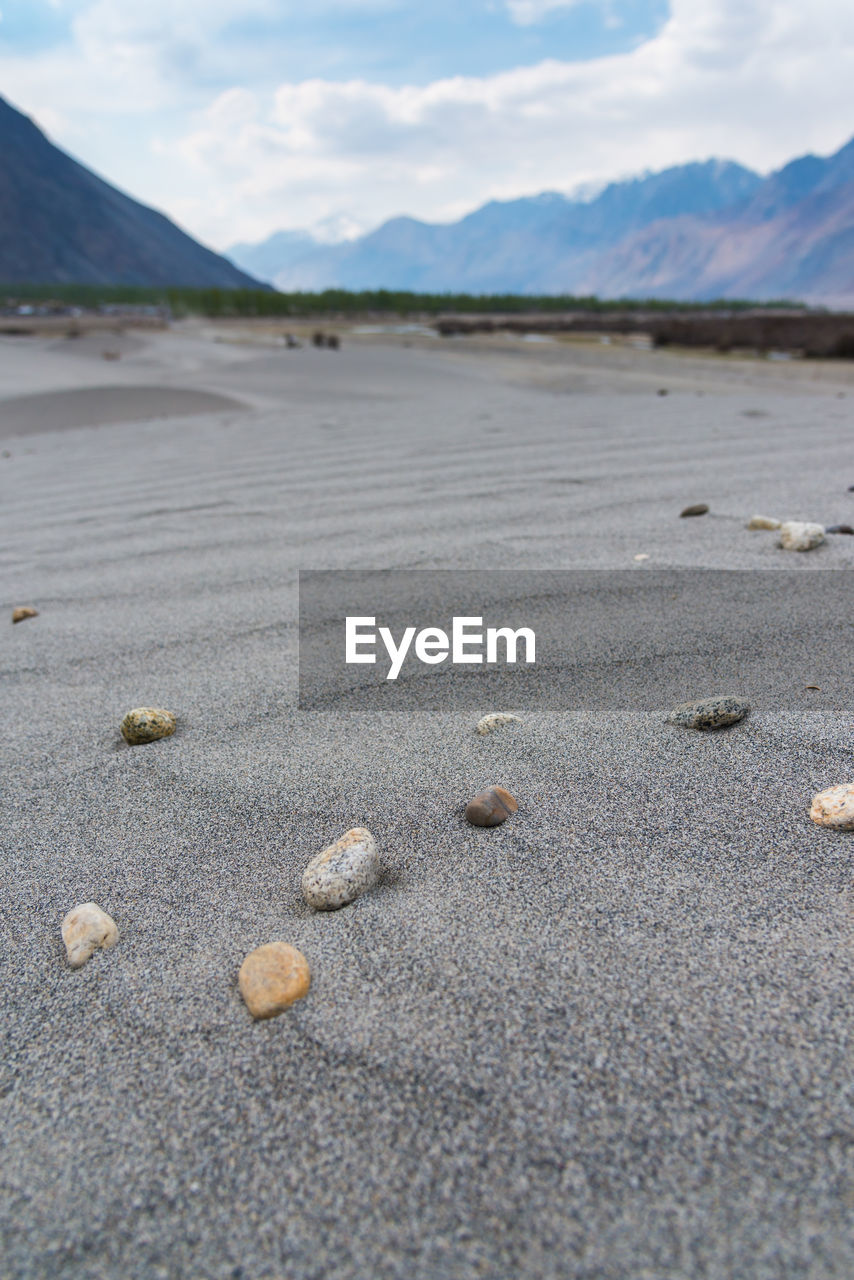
{"x":696,"y":231}
{"x":60,"y":224}
{"x":794,"y":238}
{"x":275,"y":254}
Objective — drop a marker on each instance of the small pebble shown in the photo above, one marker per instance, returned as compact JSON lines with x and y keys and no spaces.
{"x":835,"y":807}
{"x":24,"y":611}
{"x":147,"y":724}
{"x":491,"y":807}
{"x":800,"y":535}
{"x":339,"y":873}
{"x":495,"y":720}
{"x":698,"y":509}
{"x":662,"y":391}
{"x":839,"y":528}
{"x":763,"y":522}
{"x":86,"y":928}
{"x":708,"y":713}
{"x":642,"y":555}
{"x":272,"y":977}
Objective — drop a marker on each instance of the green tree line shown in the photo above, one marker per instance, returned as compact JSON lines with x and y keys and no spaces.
{"x":344,"y":302}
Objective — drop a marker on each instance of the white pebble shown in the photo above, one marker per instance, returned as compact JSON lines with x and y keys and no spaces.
{"x":86,"y":928}
{"x":488,"y":724}
{"x":338,"y":874}
{"x":835,"y":807}
{"x":763,"y":522}
{"x":799,"y":535}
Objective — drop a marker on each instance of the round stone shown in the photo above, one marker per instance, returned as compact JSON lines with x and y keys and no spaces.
{"x":698,"y":509}
{"x":342,"y":871}
{"x":763,"y":522}
{"x":491,"y":807}
{"x":834,"y":807}
{"x":147,"y":724}
{"x":708,"y":713}
{"x":800,"y":535}
{"x":24,"y":611}
{"x":84,"y":930}
{"x":272,"y":977}
{"x":495,"y":720}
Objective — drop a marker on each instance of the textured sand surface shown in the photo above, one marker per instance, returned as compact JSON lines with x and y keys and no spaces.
{"x":101,"y":406}
{"x":608,"y":1039}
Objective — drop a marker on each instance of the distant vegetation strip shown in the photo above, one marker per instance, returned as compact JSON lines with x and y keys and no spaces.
{"x":345,"y":302}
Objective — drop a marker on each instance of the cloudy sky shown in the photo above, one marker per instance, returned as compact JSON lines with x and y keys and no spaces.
{"x":241,"y":117}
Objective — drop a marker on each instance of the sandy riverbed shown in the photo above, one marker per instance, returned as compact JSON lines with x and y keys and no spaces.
{"x":610,"y":1039}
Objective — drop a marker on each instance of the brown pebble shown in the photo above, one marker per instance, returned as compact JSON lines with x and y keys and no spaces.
{"x":147,"y":724}
{"x":491,"y":807}
{"x":698,"y":509}
{"x":24,"y":611}
{"x":839,"y":528}
{"x":272,"y":977}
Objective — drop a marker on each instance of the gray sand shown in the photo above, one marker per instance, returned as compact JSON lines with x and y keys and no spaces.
{"x":610,"y":1038}
{"x":103,"y":406}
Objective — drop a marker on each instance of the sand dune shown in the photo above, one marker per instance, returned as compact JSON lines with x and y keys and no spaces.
{"x":608,"y":1039}
{"x":100,"y":406}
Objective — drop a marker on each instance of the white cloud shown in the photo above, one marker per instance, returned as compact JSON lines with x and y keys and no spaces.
{"x":759,"y":81}
{"x":527,"y":12}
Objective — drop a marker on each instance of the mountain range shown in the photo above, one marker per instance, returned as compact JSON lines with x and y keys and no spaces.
{"x":61,"y":224}
{"x":711,"y":229}
{"x":696,"y":231}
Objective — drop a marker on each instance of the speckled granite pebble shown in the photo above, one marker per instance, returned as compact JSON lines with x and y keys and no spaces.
{"x":147,"y":724}
{"x":272,"y":977}
{"x":834,"y":807}
{"x":84,"y":930}
{"x":495,"y":720}
{"x":491,"y":807}
{"x":708,"y":713}
{"x":339,"y":873}
{"x":800,"y":535}
{"x":697,"y":509}
{"x":763,"y":522}
{"x":24,"y":611}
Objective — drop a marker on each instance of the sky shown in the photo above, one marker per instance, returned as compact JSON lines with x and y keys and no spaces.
{"x":239,"y":118}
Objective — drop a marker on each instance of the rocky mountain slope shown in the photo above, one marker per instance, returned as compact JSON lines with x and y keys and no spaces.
{"x":61,"y":224}
{"x":696,"y":231}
